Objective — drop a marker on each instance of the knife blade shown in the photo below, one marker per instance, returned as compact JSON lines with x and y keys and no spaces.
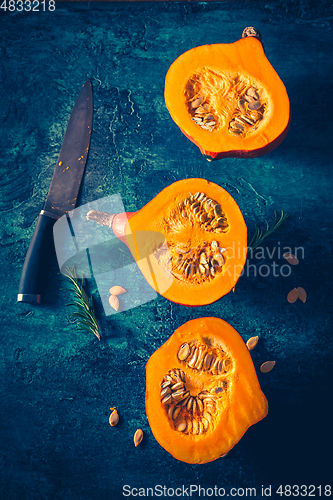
{"x":61,"y":198}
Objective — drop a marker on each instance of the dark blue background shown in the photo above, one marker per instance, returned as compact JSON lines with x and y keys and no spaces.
{"x":56,"y":384}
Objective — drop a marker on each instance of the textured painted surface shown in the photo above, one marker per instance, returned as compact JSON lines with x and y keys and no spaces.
{"x":57,"y":385}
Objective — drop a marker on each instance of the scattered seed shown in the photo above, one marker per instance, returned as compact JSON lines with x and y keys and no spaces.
{"x":301,"y":294}
{"x":292,"y":296}
{"x":114,"y":302}
{"x":292,"y":259}
{"x":252,"y":342}
{"x":267,"y":366}
{"x":117,"y":290}
{"x":114,"y":417}
{"x":138,"y":436}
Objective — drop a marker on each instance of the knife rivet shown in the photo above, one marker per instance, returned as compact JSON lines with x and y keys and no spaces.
{"x":60,"y":162}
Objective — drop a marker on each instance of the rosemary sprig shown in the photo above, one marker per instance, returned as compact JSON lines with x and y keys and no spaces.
{"x":260,"y":234}
{"x":85,"y":313}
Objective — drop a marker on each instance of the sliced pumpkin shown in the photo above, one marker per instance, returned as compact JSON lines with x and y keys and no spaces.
{"x":202,"y":391}
{"x":190,"y":242}
{"x":228,"y":99}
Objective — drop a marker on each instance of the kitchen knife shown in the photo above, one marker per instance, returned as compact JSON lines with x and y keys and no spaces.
{"x":61,"y":198}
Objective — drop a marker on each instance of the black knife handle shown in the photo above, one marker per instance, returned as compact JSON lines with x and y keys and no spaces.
{"x":34,"y":272}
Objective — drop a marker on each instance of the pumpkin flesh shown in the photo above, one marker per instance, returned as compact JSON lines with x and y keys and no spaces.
{"x":229,"y":391}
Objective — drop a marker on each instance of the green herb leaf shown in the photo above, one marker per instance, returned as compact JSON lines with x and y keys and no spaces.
{"x":261,"y":234}
{"x":84,"y":314}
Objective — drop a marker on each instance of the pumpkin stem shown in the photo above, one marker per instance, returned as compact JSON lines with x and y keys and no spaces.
{"x":250,"y":31}
{"x":102,"y":218}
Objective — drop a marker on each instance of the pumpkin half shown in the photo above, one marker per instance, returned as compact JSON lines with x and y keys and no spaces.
{"x":202,"y":391}
{"x":190,"y":241}
{"x":228,"y":99}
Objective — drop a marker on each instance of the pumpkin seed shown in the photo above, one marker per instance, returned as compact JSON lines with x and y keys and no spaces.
{"x":193,"y":359}
{"x":248,"y":98}
{"x":178,"y":395}
{"x":138,"y":436}
{"x":196,"y":103}
{"x":254,"y":105}
{"x":181,"y":427}
{"x":292,"y":259}
{"x":176,"y":412}
{"x":186,"y":398}
{"x":117,"y":290}
{"x":114,"y":417}
{"x":200,"y":358}
{"x":217,"y":210}
{"x":189,"y":403}
{"x":301,"y":294}
{"x":226,"y":363}
{"x":165,"y":391}
{"x":267,"y":366}
{"x":219,"y":259}
{"x":114,"y":302}
{"x":207,"y":361}
{"x":200,"y":405}
{"x":207,"y":416}
{"x":218,"y":390}
{"x":189,"y":425}
{"x":292,"y":295}
{"x":166,"y":399}
{"x":202,"y":269}
{"x":252,"y":92}
{"x":178,"y":385}
{"x":170,"y":411}
{"x":184,"y":352}
{"x":220,"y":367}
{"x":195,"y":428}
{"x":242,"y":104}
{"x":252,"y":342}
{"x":205,"y":423}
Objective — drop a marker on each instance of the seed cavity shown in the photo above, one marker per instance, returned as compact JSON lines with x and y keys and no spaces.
{"x":194,"y":261}
{"x":215,"y":99}
{"x":192,"y":410}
